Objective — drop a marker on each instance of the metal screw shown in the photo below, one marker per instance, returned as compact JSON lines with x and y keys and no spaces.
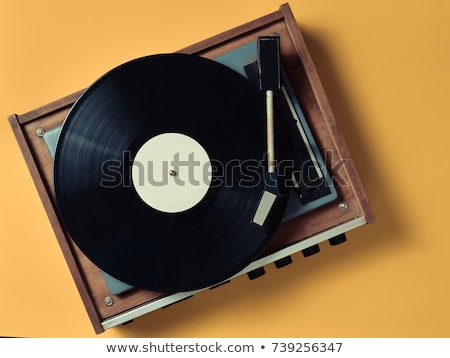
{"x":172,"y":173}
{"x":343,"y":206}
{"x":40,"y":132}
{"x":109,"y":301}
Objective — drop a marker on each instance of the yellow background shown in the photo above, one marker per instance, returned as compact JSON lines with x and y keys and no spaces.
{"x":385,"y":67}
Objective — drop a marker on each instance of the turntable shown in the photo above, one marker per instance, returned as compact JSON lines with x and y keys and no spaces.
{"x":174,"y":173}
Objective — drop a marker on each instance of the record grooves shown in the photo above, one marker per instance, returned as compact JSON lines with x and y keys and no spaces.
{"x":108,"y":219}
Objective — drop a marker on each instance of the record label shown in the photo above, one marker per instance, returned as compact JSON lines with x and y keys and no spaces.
{"x":171,"y":172}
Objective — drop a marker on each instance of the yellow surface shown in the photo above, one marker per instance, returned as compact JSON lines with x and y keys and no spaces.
{"x":385,"y":67}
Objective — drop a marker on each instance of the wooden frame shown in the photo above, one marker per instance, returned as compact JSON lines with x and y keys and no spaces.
{"x":354,"y":210}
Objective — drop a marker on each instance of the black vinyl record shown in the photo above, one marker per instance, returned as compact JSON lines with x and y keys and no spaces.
{"x":96,"y":196}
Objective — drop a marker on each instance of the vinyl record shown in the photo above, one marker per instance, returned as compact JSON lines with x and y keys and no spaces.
{"x":158,"y":173}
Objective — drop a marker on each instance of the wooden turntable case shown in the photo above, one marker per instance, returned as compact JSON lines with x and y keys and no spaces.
{"x":351,"y":209}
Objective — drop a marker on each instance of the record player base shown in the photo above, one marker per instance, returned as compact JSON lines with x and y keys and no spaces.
{"x":351,"y":209}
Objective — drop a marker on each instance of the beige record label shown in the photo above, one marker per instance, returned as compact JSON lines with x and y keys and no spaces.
{"x":171,"y":172}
